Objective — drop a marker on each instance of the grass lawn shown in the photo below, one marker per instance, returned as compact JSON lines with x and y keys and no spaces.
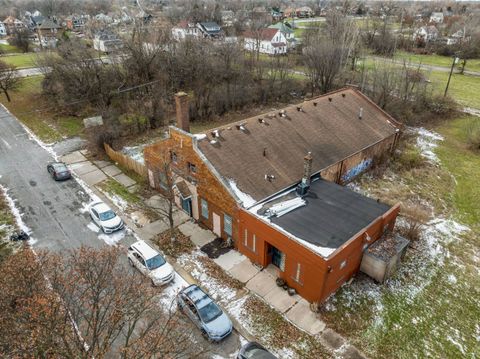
{"x":437,"y":60}
{"x":8,"y":49}
{"x":430,"y":308}
{"x":20,"y":60}
{"x":465,"y":89}
{"x":48,"y":125}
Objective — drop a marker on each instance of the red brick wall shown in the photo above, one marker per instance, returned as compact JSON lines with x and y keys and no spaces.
{"x":319,"y":277}
{"x":208,"y":186}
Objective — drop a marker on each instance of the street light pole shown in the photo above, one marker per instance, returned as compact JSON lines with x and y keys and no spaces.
{"x":455,"y":59}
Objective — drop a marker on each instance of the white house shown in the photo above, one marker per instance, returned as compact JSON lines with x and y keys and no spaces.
{"x":3,"y":29}
{"x":266,"y":41}
{"x":426,"y":33}
{"x":436,"y":17}
{"x":185,"y":29}
{"x":287,"y":31}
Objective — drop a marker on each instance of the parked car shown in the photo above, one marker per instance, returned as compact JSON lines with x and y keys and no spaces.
{"x":59,"y":171}
{"x":202,"y":310}
{"x":150,"y":263}
{"x":253,"y":350}
{"x":105,"y":218}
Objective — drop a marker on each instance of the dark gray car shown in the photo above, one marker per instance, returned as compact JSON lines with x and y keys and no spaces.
{"x":253,"y":350}
{"x":202,"y":310}
{"x":59,"y":171}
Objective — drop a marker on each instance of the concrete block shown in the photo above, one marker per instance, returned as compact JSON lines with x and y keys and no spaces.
{"x":198,"y":235}
{"x":261,"y":284}
{"x":94,"y":177}
{"x":112,"y":170}
{"x":229,"y":259}
{"x":73,"y":157}
{"x":279,"y":299}
{"x":81,"y":168}
{"x":301,"y":315}
{"x":150,"y":230}
{"x":332,"y":338}
{"x":124,"y":180}
{"x":244,"y":271}
{"x":101,"y":164}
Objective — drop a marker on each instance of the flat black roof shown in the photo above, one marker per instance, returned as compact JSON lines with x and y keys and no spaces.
{"x":332,"y":215}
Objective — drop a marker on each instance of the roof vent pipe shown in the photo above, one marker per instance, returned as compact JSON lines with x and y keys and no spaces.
{"x":360,"y":113}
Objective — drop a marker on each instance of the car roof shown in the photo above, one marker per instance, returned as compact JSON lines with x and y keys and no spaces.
{"x":144,"y":249}
{"x":101,"y":207}
{"x":197,"y":296}
{"x":58,"y":164}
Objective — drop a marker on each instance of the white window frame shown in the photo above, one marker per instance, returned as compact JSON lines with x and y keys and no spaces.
{"x":204,"y":207}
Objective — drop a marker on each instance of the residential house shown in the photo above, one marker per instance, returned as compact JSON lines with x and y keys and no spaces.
{"x":287,"y":32}
{"x":12,"y":24}
{"x":437,"y":17}
{"x":210,"y":30}
{"x":456,"y":37}
{"x":289,"y":12}
{"x":304,"y":11}
{"x":269,"y":41}
{"x":277,"y":14}
{"x":271,"y":184}
{"x":3,"y":29}
{"x":185,"y":29}
{"x":228,"y":17}
{"x":106,"y":41}
{"x":48,"y":33}
{"x":76,"y":22}
{"x":426,"y":34}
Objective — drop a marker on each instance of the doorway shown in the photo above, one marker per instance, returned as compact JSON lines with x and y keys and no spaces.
{"x":276,"y":257}
{"x":187,"y":205}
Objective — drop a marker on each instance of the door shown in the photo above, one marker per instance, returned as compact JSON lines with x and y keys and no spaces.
{"x":277,"y":258}
{"x":217,"y":229}
{"x":187,"y":205}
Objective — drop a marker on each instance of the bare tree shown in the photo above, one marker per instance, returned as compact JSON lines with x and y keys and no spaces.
{"x":91,"y":305}
{"x":9,"y":80}
{"x":21,"y":40}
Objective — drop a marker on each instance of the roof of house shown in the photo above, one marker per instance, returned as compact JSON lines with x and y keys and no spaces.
{"x":49,"y":24}
{"x":282,"y":27}
{"x":211,"y":27}
{"x":184,"y":24}
{"x":265,"y":34}
{"x":325,"y":218}
{"x":327,"y":126}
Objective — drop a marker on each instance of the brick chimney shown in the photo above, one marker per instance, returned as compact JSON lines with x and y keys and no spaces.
{"x":182,"y":106}
{"x":303,"y":187}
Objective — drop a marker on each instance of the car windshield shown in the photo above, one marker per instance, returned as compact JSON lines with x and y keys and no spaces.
{"x":155,"y":262}
{"x":209,"y":312}
{"x":105,"y":216}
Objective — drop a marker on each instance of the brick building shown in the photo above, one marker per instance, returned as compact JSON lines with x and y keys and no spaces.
{"x":272,"y":184}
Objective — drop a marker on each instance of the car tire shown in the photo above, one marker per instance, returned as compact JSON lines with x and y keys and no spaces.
{"x":207,"y":338}
{"x":179,"y":307}
{"x":130,"y":262}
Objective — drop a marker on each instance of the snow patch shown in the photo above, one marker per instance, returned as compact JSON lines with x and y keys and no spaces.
{"x":169,"y":293}
{"x":135,"y":153}
{"x":245,"y":198}
{"x":113,"y":238}
{"x":452,"y":279}
{"x":200,"y":136}
{"x":427,"y":142}
{"x":93,"y":227}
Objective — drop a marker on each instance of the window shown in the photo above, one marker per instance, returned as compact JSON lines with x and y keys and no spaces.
{"x":343,"y":264}
{"x":204,"y":208}
{"x":254,"y":244}
{"x":173,"y":157}
{"x":227,"y":224}
{"x":192,"y":168}
{"x":245,"y":239}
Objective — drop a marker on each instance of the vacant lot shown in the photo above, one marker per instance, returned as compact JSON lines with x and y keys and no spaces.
{"x":39,"y":115}
{"x":465,"y":89}
{"x":20,"y":60}
{"x":430,"y":308}
{"x":437,"y":60}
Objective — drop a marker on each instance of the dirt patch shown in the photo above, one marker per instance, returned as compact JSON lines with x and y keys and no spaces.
{"x":215,"y":271}
{"x":174,"y":248}
{"x":216,"y":248}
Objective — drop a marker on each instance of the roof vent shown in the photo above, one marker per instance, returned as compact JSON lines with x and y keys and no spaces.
{"x":283,"y":113}
{"x":315,"y":104}
{"x":300,"y":109}
{"x":241,"y":126}
{"x":343,"y":95}
{"x":269,"y":178}
{"x":216,"y":133}
{"x":330,"y":99}
{"x":261,"y":120}
{"x":360,"y":113}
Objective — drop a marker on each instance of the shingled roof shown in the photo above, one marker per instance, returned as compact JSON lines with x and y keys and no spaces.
{"x":275,"y":143}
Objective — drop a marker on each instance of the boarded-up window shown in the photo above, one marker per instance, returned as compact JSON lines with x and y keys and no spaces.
{"x":297,"y":275}
{"x":254,"y":244}
{"x":245,"y":239}
{"x":227,"y":224}
{"x":204,"y":209}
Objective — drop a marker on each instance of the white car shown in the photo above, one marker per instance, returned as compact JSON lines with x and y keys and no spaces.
{"x":151,"y":263}
{"x":105,"y":218}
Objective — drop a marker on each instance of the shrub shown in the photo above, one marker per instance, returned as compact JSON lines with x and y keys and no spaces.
{"x":410,"y":158}
{"x":415,"y":217}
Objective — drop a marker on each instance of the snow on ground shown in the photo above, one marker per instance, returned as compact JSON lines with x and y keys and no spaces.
{"x":135,"y":153}
{"x":116,"y":200}
{"x":113,"y":238}
{"x":427,"y":142}
{"x":169,"y":292}
{"x":93,"y":227}
{"x":245,"y":198}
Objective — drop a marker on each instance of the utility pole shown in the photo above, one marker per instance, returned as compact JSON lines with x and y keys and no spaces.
{"x":455,"y":60}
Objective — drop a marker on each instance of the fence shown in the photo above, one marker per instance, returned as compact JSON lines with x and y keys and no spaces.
{"x":126,"y":161}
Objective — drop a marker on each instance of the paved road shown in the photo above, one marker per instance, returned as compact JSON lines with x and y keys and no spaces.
{"x":53,"y":210}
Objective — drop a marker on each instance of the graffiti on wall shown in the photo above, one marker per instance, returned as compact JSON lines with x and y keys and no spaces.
{"x":355,"y":171}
